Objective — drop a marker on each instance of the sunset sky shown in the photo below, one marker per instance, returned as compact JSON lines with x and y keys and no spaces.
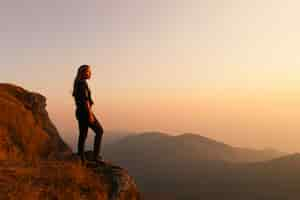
{"x":225,"y":69}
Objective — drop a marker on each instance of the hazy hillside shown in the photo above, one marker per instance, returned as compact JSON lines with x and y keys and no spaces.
{"x":190,"y":167}
{"x":188,"y":147}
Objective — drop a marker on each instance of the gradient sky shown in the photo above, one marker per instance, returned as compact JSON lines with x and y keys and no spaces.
{"x":226,"y":69}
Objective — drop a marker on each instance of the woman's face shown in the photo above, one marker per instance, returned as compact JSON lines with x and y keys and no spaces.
{"x":87,"y":73}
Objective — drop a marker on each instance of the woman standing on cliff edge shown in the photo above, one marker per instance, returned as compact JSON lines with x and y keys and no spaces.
{"x":84,"y":114}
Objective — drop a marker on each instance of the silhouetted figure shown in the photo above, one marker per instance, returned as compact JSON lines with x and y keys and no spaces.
{"x":84,"y":114}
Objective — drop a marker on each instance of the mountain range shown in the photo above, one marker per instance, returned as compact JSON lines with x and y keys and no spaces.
{"x":193,"y":167}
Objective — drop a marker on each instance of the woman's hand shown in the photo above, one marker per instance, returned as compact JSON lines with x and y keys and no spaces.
{"x":91,"y":118}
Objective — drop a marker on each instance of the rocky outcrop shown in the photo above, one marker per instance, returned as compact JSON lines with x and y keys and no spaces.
{"x":26,"y":132}
{"x":122,"y":186}
{"x":35,"y":163}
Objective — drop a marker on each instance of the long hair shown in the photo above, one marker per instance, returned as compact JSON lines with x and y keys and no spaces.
{"x":78,"y":76}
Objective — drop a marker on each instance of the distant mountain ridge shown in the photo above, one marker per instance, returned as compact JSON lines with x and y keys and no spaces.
{"x":188,"y":145}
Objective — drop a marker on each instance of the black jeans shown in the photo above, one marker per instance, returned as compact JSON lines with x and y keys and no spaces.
{"x":83,"y":124}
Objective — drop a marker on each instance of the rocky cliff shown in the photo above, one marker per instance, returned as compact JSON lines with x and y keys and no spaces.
{"x":35,"y":163}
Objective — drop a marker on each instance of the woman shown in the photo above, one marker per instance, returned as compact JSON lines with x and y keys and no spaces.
{"x":84,"y":114}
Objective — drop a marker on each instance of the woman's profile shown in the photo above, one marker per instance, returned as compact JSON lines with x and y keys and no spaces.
{"x":84,"y":115}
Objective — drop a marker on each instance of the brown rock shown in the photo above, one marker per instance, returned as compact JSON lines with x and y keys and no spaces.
{"x":26,"y":131}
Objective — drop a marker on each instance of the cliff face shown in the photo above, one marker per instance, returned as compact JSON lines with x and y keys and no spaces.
{"x":37,"y":164}
{"x":26,"y":132}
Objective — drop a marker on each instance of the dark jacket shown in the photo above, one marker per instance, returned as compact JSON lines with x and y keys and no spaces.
{"x":82,"y":93}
